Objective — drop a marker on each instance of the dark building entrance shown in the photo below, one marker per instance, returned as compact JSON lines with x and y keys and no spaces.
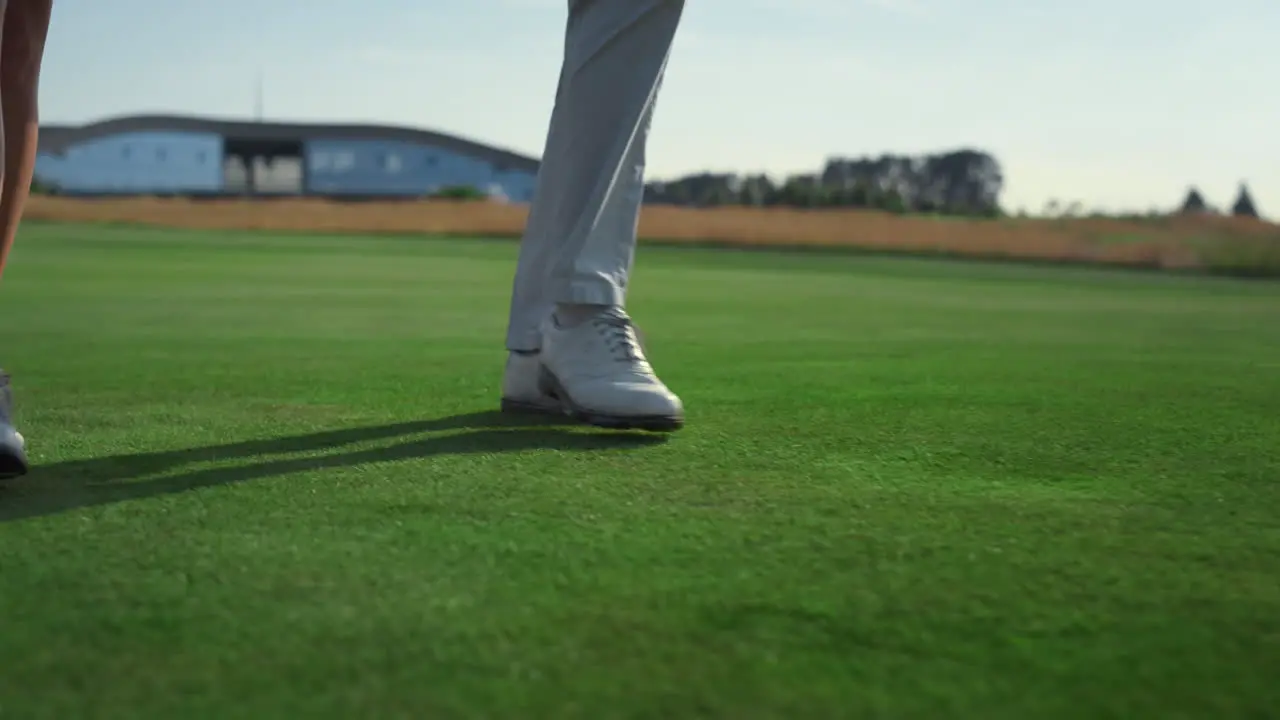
{"x":253,"y":166}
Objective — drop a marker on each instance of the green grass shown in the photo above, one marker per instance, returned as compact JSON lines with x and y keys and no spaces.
{"x":270,"y":485}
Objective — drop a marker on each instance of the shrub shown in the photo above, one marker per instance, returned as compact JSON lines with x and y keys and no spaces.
{"x":1242,"y":256}
{"x":40,"y":187}
{"x":459,"y":192}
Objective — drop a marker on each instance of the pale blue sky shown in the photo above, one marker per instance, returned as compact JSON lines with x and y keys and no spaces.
{"x":1115,"y":103}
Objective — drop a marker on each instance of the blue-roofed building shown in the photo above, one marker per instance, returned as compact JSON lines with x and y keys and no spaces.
{"x":177,"y":155}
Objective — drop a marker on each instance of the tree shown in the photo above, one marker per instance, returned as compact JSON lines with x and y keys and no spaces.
{"x":1244,"y":206}
{"x":859,"y":196}
{"x":891,"y":201}
{"x":716,"y":195}
{"x":799,"y":191}
{"x":755,"y":191}
{"x":1194,"y":204}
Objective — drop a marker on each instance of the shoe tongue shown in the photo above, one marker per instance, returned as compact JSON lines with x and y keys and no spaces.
{"x":615,"y":314}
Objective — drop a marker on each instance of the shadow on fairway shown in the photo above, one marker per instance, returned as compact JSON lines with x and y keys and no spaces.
{"x":52,"y":489}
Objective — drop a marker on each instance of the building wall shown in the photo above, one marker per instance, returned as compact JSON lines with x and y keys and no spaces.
{"x":144,"y":162}
{"x":373,"y":167}
{"x":182,"y":162}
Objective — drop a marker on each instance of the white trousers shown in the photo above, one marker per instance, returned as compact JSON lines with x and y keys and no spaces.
{"x":580,"y":238}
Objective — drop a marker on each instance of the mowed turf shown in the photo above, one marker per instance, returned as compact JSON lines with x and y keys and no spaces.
{"x":270,"y":483}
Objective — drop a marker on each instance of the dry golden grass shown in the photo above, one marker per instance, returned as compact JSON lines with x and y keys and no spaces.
{"x":1167,"y":243}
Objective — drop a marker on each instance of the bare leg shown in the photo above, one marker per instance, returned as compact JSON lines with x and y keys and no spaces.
{"x":22,"y":39}
{"x":24,"y":24}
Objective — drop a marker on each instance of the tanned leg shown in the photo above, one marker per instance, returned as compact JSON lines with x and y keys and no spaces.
{"x":22,"y":38}
{"x":24,"y":24}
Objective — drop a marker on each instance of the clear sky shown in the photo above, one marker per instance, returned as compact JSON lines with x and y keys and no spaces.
{"x":1118,"y":104}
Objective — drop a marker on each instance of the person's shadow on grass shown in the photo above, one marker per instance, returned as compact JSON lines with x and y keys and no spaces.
{"x":57,"y":488}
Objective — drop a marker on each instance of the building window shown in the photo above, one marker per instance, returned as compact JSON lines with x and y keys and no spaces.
{"x":320,"y":161}
{"x":343,"y":161}
{"x":432,"y":161}
{"x":391,"y":163}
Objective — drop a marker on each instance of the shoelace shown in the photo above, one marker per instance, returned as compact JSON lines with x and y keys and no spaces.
{"x":619,"y":334}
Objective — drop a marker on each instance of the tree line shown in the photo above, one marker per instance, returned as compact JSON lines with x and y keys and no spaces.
{"x":963,"y":182}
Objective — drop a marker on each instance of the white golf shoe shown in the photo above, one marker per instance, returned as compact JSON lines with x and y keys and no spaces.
{"x":521,"y":392}
{"x":595,"y":372}
{"x":13,"y":454}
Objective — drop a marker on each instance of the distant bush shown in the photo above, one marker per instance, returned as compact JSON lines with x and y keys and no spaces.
{"x":1243,"y":256}
{"x":39,"y":187}
{"x":459,"y":192}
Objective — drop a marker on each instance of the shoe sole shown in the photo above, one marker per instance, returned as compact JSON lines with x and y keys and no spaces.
{"x":520,"y":407}
{"x":13,"y":464}
{"x":649,"y":423}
